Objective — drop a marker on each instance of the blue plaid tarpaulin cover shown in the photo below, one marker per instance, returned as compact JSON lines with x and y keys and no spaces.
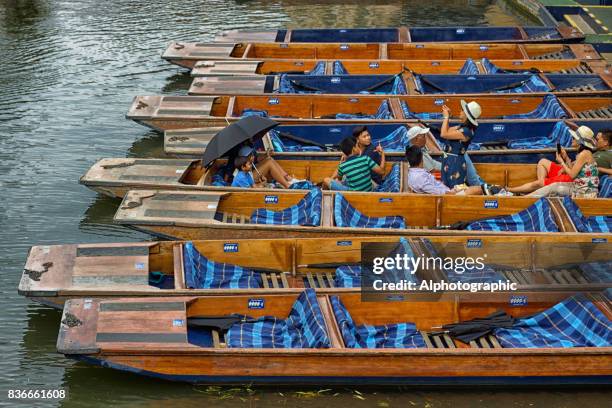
{"x":392,"y":181}
{"x":533,"y":84}
{"x":307,"y":212}
{"x":279,"y":146}
{"x":395,"y":335}
{"x":469,"y":68}
{"x":395,"y":141}
{"x":462,"y":273}
{"x":560,"y":133}
{"x":203,"y":273}
{"x":489,"y":67}
{"x":599,"y":272}
{"x":575,"y":322}
{"x":339,"y":69}
{"x":346,"y":215}
{"x":408,"y":114}
{"x":537,"y":217}
{"x":349,"y":276}
{"x":383,"y":112}
{"x":605,"y":187}
{"x":218,"y":181}
{"x":302,"y":185}
{"x":253,"y":112}
{"x":399,"y":88}
{"x":549,"y":108}
{"x":304,"y":328}
{"x":598,"y":223}
{"x":318,"y":69}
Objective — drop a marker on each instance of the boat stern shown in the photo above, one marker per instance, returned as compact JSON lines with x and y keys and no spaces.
{"x":187,"y":54}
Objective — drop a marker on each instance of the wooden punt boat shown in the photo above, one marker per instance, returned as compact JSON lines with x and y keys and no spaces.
{"x":188,"y":54}
{"x":364,"y":67}
{"x":114,"y":177}
{"x":52,"y":274}
{"x":558,"y":34}
{"x":193,"y":215}
{"x":157,"y":338}
{"x":183,"y":112}
{"x":404,"y":84}
{"x":493,"y":142}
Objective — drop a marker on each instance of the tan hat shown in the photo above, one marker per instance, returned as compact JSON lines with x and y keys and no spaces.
{"x":584,"y":136}
{"x":472,"y":111}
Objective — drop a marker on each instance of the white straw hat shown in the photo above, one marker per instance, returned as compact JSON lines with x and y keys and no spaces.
{"x":472,"y":111}
{"x":415,"y":131}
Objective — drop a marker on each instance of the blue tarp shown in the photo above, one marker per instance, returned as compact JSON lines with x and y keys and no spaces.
{"x":536,"y":218}
{"x":549,"y":108}
{"x":346,"y":215}
{"x":341,"y":84}
{"x":307,"y":212}
{"x":593,"y":224}
{"x":203,"y":273}
{"x":575,"y":322}
{"x":304,"y":328}
{"x":560,"y":134}
{"x":393,"y":335}
{"x":508,"y":83}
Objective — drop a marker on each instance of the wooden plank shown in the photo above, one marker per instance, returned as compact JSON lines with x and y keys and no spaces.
{"x":320,"y":280}
{"x":283,"y":276}
{"x":274,"y":280}
{"x":311,"y":281}
{"x":330,"y":279}
{"x":179,"y":267}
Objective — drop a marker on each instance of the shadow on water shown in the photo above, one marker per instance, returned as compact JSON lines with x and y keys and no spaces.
{"x":149,"y":145}
{"x":177,"y":84}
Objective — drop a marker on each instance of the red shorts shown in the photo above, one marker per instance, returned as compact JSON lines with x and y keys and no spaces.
{"x":554,"y":176}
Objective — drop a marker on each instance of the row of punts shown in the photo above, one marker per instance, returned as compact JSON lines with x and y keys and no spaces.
{"x":274,"y":286}
{"x":188,"y":55}
{"x":182,"y":112}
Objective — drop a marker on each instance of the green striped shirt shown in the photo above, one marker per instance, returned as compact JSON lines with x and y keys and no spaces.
{"x":357,"y":170}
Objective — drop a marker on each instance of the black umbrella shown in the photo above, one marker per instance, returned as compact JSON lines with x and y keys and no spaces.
{"x":235,"y":134}
{"x":473,"y":329}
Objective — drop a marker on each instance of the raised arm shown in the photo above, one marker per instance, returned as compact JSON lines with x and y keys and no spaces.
{"x":450,"y":132}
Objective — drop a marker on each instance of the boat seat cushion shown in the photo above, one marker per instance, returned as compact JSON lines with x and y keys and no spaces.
{"x":408,"y":114}
{"x":536,"y":218}
{"x":595,"y":224}
{"x":307,"y":212}
{"x":392,"y":182}
{"x":575,"y":322}
{"x":560,"y":133}
{"x":203,"y":273}
{"x":462,"y":273}
{"x":395,"y":141}
{"x":303,"y":328}
{"x":345,"y":215}
{"x":349,"y":276}
{"x":395,"y":335}
{"x":339,"y":69}
{"x":605,"y":187}
{"x":383,"y":112}
{"x":254,"y":112}
{"x":469,"y":68}
{"x":549,"y":108}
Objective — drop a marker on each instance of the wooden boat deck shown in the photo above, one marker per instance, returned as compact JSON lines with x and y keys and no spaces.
{"x":184,"y":112}
{"x":189,"y":214}
{"x":152,"y":338}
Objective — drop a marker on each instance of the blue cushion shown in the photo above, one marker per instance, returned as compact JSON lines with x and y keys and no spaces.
{"x":346,"y":215}
{"x":547,"y":109}
{"x":254,"y":112}
{"x":408,"y":114}
{"x":575,"y":322}
{"x":318,"y":69}
{"x":605,"y":187}
{"x":349,"y":276}
{"x":279,"y":146}
{"x":469,"y":68}
{"x":395,"y":335}
{"x":392,"y":181}
{"x":536,"y":218}
{"x":307,"y":212}
{"x":338,"y":68}
{"x":383,"y":112}
{"x":396,"y":141}
{"x":559,"y":134}
{"x":303,"y":328}
{"x":203,"y":273}
{"x":593,"y":224}
{"x":533,"y":84}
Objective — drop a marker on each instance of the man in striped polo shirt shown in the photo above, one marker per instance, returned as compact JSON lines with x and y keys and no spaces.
{"x":355,"y":168}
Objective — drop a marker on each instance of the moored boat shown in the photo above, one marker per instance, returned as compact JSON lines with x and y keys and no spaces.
{"x":54,"y":273}
{"x":559,"y":34}
{"x":404,"y":83}
{"x":192,"y":215}
{"x":365,"y":67}
{"x":182,"y":112}
{"x":188,"y":54}
{"x":341,"y":339}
